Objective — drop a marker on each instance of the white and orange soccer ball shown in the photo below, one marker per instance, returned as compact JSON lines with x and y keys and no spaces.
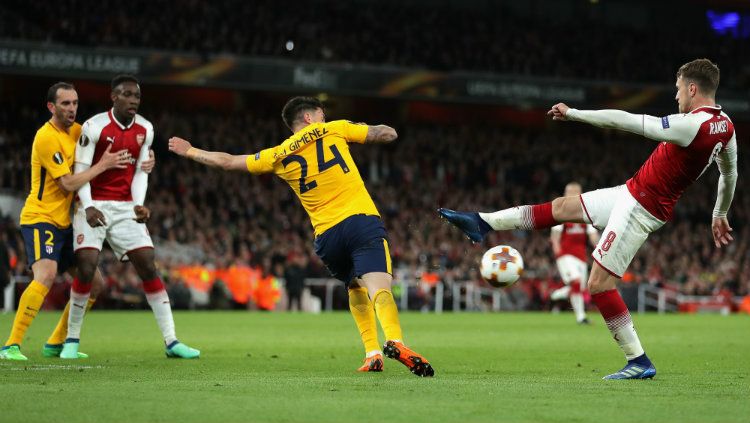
{"x":501,"y":266}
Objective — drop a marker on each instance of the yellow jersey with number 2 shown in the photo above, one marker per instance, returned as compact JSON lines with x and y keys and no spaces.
{"x":316,"y":163}
{"x":52,"y":156}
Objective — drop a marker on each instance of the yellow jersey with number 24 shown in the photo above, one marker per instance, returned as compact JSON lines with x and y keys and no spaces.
{"x":316,"y":163}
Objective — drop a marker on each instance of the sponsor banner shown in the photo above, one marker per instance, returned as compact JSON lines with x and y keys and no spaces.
{"x":233,"y":72}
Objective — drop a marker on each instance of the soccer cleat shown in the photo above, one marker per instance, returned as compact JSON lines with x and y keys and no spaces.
{"x":70,"y":350}
{"x":637,"y":368}
{"x":179,"y":350}
{"x":54,"y":350}
{"x":469,"y":222}
{"x":415,"y":362}
{"x":372,"y":364}
{"x":584,"y":321}
{"x":12,"y":352}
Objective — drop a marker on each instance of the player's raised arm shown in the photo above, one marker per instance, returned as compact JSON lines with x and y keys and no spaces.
{"x":727,"y":162}
{"x":380,"y":134}
{"x":676,"y":129}
{"x":226,"y":161}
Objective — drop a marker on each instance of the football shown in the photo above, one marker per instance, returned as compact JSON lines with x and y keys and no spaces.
{"x":501,"y":266}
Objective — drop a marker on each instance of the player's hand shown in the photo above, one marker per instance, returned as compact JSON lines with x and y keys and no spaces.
{"x":559,"y":111}
{"x":94,"y":217}
{"x":721,"y":230}
{"x":117,"y":160}
{"x":142,"y":214}
{"x":179,"y":146}
{"x":148,"y":165}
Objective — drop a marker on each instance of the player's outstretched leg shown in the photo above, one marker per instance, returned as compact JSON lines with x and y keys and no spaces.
{"x":476,"y":225}
{"x":364,"y":316}
{"x":469,"y":222}
{"x":620,"y":324}
{"x":378,"y":284}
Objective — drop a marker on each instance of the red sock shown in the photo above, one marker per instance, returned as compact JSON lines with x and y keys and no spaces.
{"x":79,"y":287}
{"x":575,"y":287}
{"x":541,"y":216}
{"x":612,"y":308}
{"x":152,"y":286}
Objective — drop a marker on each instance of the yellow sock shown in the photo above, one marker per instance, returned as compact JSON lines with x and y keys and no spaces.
{"x":61,"y":330}
{"x":364,"y":315}
{"x":387,"y":312}
{"x":28,"y":307}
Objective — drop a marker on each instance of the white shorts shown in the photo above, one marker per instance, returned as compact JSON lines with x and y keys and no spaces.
{"x":626,"y":226}
{"x":572,"y":268}
{"x":121,"y":230}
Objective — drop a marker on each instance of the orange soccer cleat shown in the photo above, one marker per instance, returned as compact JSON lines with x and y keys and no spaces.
{"x":372,"y":364}
{"x":415,"y":362}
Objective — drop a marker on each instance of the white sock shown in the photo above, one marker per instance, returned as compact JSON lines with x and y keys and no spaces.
{"x":159,"y":302}
{"x":373,"y":353}
{"x":576,"y":300}
{"x":512,"y":218}
{"x":622,"y":329}
{"x":78,"y":304}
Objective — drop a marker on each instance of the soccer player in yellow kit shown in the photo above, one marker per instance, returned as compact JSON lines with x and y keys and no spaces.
{"x":45,"y":218}
{"x":349,"y":236}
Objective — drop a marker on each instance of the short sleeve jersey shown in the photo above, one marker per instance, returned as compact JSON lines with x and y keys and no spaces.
{"x":317,"y":165}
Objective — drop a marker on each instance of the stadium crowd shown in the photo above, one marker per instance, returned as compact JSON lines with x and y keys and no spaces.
{"x":488,"y":36}
{"x":211,"y":226}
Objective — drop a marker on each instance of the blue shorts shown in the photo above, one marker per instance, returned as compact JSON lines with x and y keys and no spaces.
{"x":47,"y":241}
{"x":355,"y":246}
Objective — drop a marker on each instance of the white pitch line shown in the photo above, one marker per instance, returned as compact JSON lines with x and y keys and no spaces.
{"x":46,"y":367}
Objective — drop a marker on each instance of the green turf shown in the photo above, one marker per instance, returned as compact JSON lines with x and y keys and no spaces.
{"x":298,"y":367}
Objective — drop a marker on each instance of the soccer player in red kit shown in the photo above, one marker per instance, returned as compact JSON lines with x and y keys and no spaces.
{"x":688,"y":143}
{"x":111,"y":207}
{"x":569,"y":241}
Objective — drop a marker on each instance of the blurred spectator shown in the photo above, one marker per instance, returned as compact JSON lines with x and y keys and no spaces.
{"x":294,"y":276}
{"x":478,"y":36}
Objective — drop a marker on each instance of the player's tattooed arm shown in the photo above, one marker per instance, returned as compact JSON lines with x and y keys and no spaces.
{"x":225,"y":161}
{"x":380,"y":134}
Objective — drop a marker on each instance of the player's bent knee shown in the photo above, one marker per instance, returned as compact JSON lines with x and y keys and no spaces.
{"x":377,"y":280}
{"x":567,"y":209}
{"x":146,"y":271}
{"x":86,"y":271}
{"x":600,"y":280}
{"x":45,"y":272}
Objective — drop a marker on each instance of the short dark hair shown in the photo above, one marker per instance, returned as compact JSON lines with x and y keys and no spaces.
{"x":52,"y":91}
{"x":702,"y":72}
{"x":119,"y":79}
{"x":294,"y":107}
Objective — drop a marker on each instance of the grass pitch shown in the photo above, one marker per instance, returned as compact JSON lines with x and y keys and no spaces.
{"x":258,"y":367}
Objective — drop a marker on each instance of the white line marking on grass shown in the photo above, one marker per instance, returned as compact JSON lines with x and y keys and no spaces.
{"x":47,"y":367}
